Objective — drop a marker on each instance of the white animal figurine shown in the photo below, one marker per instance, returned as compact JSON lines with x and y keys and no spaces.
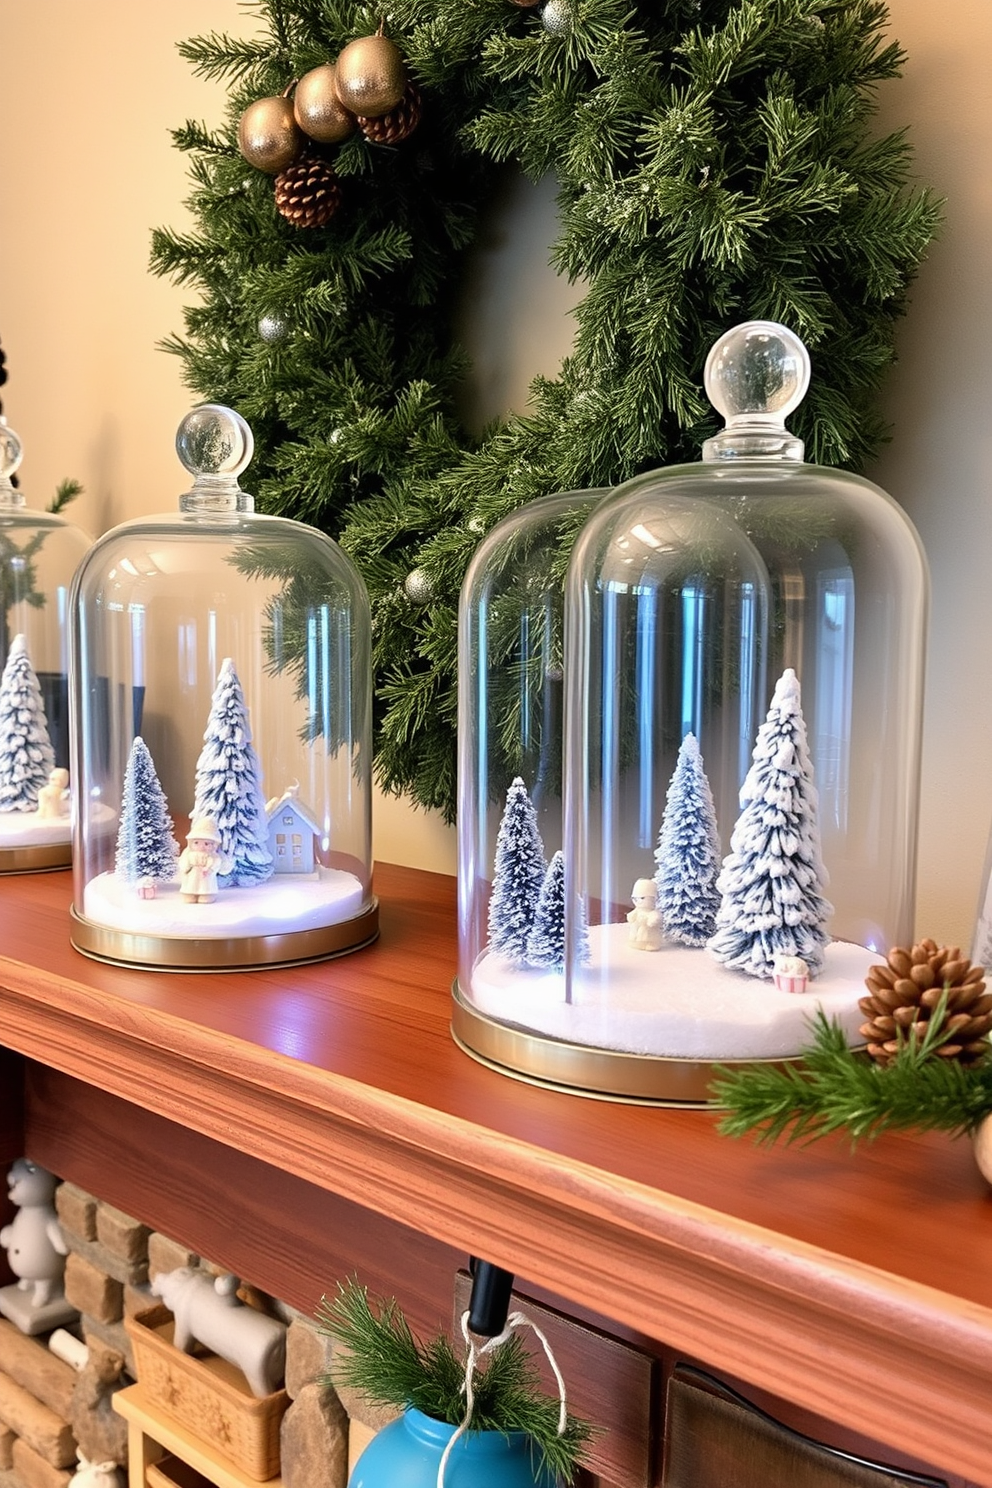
{"x":33,"y":1240}
{"x":210,"y":1313}
{"x":646,"y":932}
{"x":53,"y":798}
{"x":96,"y":1474}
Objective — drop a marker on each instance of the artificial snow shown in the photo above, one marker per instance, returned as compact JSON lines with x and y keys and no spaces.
{"x":284,"y":903}
{"x":677,"y":1001}
{"x":28,"y":829}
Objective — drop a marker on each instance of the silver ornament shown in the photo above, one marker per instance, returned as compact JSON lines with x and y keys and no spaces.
{"x":558,"y":17}
{"x":417,"y":587}
{"x":273,"y":329}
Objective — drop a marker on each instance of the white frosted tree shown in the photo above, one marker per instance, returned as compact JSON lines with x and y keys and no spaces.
{"x":771,"y":885}
{"x":229,"y":784}
{"x":546,"y":941}
{"x":26,"y":754}
{"x":146,"y":849}
{"x":518,"y":876}
{"x":688,"y":852}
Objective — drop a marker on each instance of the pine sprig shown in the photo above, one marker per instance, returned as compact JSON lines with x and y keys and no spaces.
{"x":836,"y":1088}
{"x":388,"y":1365}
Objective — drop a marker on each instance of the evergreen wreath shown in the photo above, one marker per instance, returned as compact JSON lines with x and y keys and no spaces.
{"x":715,"y":163}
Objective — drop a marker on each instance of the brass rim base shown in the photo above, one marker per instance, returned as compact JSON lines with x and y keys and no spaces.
{"x":39,"y":859}
{"x":598,"y":1074}
{"x":234,"y":953}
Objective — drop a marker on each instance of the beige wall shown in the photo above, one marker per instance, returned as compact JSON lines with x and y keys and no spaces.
{"x":86,"y":169}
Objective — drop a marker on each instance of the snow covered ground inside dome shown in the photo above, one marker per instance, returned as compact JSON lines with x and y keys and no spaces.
{"x":28,"y":829}
{"x":677,"y":1002}
{"x":283,"y":903}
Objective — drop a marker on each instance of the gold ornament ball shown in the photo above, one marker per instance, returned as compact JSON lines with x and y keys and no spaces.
{"x":268,"y":135}
{"x":370,"y":76}
{"x":318,"y":110}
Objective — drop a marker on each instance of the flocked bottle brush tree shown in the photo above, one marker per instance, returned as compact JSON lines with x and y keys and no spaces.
{"x":221,"y":728}
{"x":743,"y":644}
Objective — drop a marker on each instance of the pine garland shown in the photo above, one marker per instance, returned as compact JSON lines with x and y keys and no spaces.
{"x":715,"y":161}
{"x":836,"y":1088}
{"x":391,"y":1368}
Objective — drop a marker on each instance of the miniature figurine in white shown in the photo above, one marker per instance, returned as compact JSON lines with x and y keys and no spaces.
{"x":646,"y":932}
{"x":790,"y":973}
{"x":200,"y":862}
{"x":209,"y":1312}
{"x":33,"y":1240}
{"x":53,"y":798}
{"x":96,"y":1474}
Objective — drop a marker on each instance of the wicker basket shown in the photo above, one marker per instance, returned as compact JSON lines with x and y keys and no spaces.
{"x":207,"y":1395}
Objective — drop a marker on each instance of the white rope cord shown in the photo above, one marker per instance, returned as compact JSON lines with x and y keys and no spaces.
{"x":475,"y":1352}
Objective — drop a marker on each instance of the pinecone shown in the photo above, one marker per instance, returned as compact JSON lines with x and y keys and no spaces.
{"x":398,"y":124}
{"x":905,"y":991}
{"x":307,"y":192}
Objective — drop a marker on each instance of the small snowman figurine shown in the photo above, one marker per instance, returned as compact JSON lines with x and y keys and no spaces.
{"x":35,"y":1250}
{"x":646,"y":931}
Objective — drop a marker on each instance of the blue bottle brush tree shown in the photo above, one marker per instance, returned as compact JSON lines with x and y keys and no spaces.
{"x":772,"y":883}
{"x":688,"y":852}
{"x":147,"y":851}
{"x":229,"y":784}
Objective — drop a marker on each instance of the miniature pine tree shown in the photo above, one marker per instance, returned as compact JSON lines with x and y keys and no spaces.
{"x":518,"y":876}
{"x":229,"y":784}
{"x":26,"y":754}
{"x":688,"y":852}
{"x":771,"y":884}
{"x":546,"y":941}
{"x":146,"y":848}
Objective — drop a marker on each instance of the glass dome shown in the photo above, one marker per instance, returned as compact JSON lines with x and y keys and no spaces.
{"x":221,"y":730}
{"x":39,"y":553}
{"x":743,"y":700}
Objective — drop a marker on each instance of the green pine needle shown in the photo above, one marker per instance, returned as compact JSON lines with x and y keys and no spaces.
{"x":390,"y":1367}
{"x":836,"y":1088}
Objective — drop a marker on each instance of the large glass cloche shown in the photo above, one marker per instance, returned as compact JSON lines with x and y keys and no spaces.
{"x":743,"y":676}
{"x":39,"y":553}
{"x":220,"y":731}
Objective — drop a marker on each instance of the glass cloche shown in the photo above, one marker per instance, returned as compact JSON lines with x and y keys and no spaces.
{"x":39,"y":553}
{"x":744,"y":648}
{"x":221,"y":730}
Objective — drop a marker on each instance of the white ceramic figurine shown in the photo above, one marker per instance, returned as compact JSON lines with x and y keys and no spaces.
{"x":36,"y":1252}
{"x":645,"y":933}
{"x":209,"y":1312}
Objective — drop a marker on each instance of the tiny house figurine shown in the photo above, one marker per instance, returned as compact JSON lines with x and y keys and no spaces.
{"x":36,"y":1253}
{"x":39,"y":553}
{"x":223,"y":703}
{"x":757,"y":613}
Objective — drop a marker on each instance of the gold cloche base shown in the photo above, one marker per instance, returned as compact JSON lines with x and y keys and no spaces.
{"x":235,"y":953}
{"x":38,"y":859}
{"x":598,"y":1074}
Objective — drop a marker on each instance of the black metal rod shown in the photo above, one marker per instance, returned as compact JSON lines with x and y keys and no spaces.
{"x":489,"y":1304}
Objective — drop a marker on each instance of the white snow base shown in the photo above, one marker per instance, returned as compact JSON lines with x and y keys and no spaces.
{"x":28,"y":829}
{"x":285,"y":902}
{"x":677,"y":1001}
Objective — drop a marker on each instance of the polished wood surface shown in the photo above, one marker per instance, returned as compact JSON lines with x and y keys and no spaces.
{"x":811,"y":1273}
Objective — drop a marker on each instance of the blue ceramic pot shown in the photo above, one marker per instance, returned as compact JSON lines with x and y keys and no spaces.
{"x":407,"y":1452}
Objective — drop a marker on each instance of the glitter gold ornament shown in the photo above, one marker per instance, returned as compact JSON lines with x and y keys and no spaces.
{"x":417,"y":587}
{"x":268,"y":135}
{"x":370,"y":76}
{"x":318,"y":110}
{"x":307,"y":192}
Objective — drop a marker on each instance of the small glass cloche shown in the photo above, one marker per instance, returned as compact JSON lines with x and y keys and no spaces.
{"x":744,"y":647}
{"x":221,"y":730}
{"x":39,"y":553}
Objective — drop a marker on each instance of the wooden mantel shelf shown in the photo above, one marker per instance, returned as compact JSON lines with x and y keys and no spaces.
{"x":858,"y":1287}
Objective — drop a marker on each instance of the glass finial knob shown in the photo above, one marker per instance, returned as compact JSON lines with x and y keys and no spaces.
{"x":756,"y":375}
{"x":10,"y":451}
{"x":214,"y":441}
